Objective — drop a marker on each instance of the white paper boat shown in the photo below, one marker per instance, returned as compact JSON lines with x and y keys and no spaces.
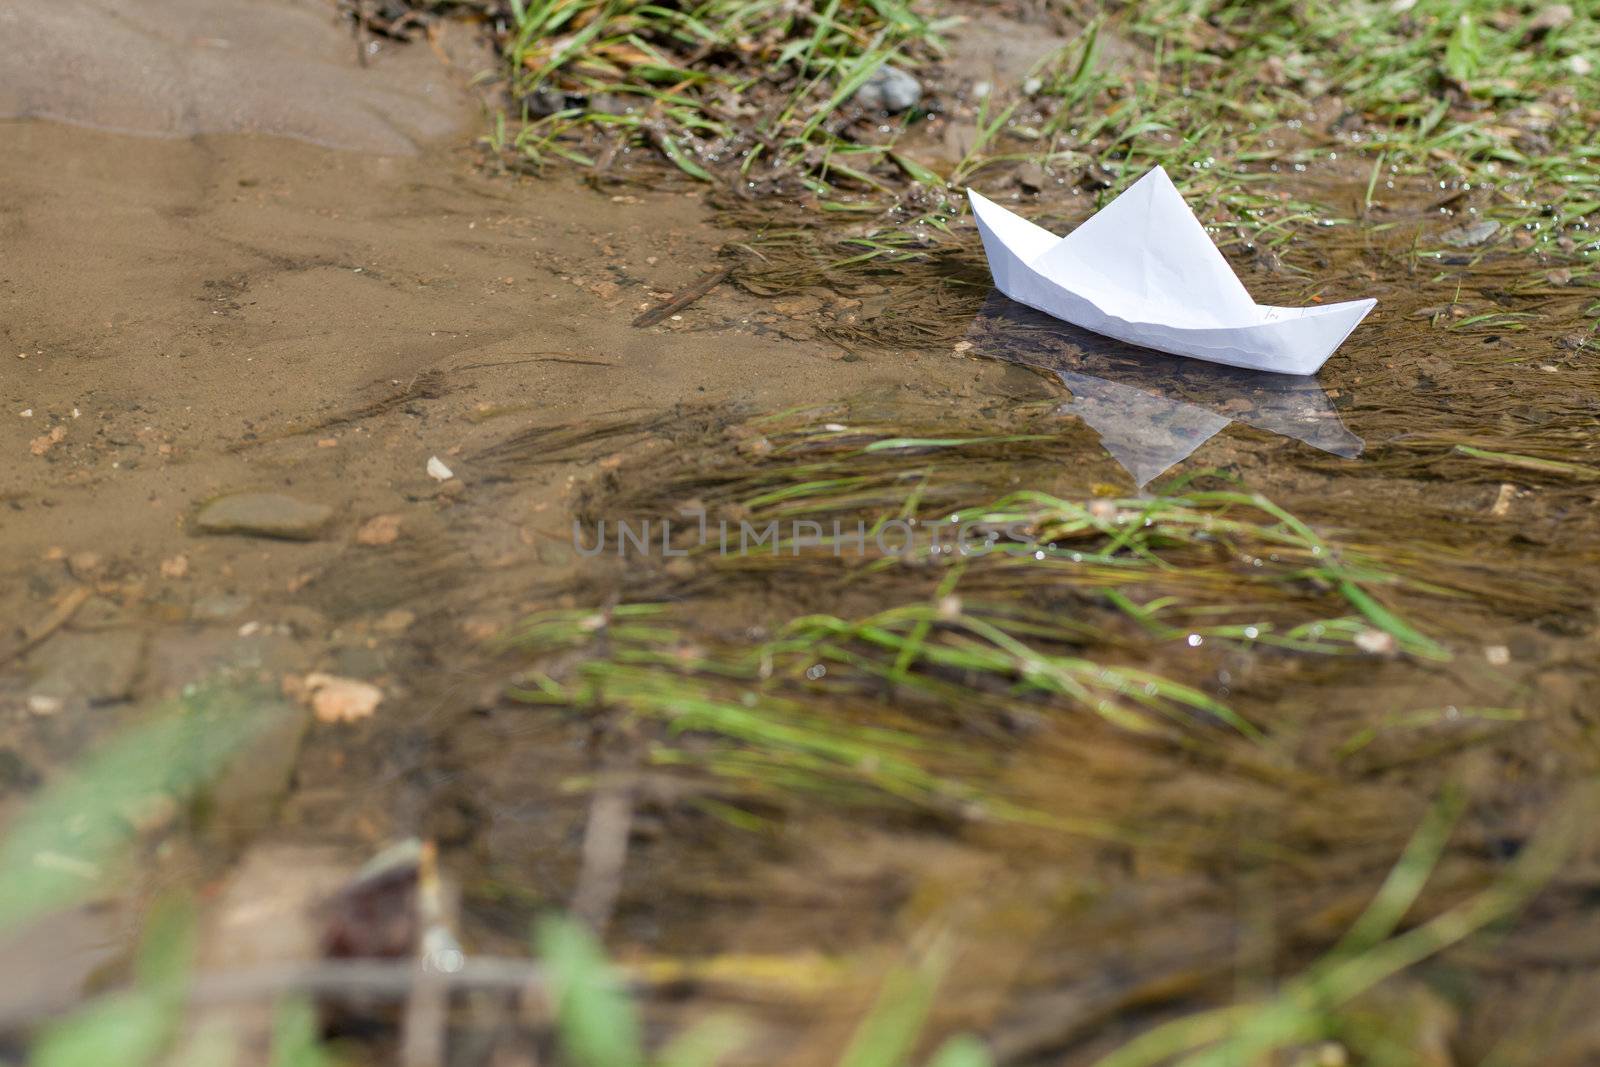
{"x":1143,"y":270}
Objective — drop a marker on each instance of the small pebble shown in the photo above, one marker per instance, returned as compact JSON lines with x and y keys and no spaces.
{"x":1376,"y":642}
{"x":379,"y":530}
{"x":889,"y":89}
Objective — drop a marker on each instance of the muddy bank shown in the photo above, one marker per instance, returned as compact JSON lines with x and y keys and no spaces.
{"x":192,"y":68}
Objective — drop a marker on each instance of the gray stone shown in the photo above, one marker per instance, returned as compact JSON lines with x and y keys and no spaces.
{"x":95,"y":668}
{"x":1475,"y":234}
{"x":179,"y":656}
{"x":889,"y":89}
{"x":264,"y":515}
{"x":219,"y":607}
{"x":243,"y":798}
{"x":1030,"y":177}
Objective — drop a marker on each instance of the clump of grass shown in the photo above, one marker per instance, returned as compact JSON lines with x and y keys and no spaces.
{"x":598,"y":1026}
{"x":1266,"y":116}
{"x":65,"y":846}
{"x":741,"y":730}
{"x":750,"y":717}
{"x":1467,"y":92}
{"x":833,"y":707}
{"x":756,"y":91}
{"x":1139,"y":531}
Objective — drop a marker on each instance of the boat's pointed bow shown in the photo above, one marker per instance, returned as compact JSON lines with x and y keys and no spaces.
{"x":1010,"y":241}
{"x":1157,"y":173}
{"x":1350,"y":315}
{"x":1322,"y":332}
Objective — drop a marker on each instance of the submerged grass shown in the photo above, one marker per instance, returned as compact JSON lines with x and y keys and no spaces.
{"x":742,"y":731}
{"x":949,"y":608}
{"x":856,"y":712}
{"x":1311,"y":1006}
{"x":1190,"y":563}
{"x":1321,"y":1003}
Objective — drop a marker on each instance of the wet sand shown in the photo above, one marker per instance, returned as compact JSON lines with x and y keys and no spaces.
{"x":194,"y":302}
{"x":186,"y":317}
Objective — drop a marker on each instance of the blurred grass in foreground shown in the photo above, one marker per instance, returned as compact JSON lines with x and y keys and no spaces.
{"x":595,"y":1024}
{"x":68,"y":842}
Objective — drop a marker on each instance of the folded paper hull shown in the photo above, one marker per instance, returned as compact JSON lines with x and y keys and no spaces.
{"x":1281,"y":340}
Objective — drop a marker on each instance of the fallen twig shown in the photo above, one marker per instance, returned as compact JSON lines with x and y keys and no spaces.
{"x":540,"y":357}
{"x":427,"y":1014}
{"x":605,"y":853}
{"x":684,"y":298}
{"x":382,"y":979}
{"x":59,"y":617}
{"x":425,"y":385}
{"x":362,"y":18}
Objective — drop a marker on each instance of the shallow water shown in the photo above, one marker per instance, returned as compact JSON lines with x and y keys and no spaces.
{"x":1153,"y":411}
{"x":1421,"y":448}
{"x":241,"y":312}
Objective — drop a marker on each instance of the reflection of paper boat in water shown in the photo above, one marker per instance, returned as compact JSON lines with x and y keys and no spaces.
{"x":1144,"y":271}
{"x":1152,"y":411}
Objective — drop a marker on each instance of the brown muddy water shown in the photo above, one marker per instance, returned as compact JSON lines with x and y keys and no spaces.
{"x":263,"y":294}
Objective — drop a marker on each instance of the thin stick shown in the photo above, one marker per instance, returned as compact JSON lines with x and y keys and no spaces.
{"x":50,"y":624}
{"x":371,"y":978}
{"x":427,"y":1014}
{"x":422,"y":1032}
{"x":605,"y":853}
{"x":362,"y":32}
{"x":388,"y":979}
{"x":684,"y":298}
{"x":538,"y":359}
